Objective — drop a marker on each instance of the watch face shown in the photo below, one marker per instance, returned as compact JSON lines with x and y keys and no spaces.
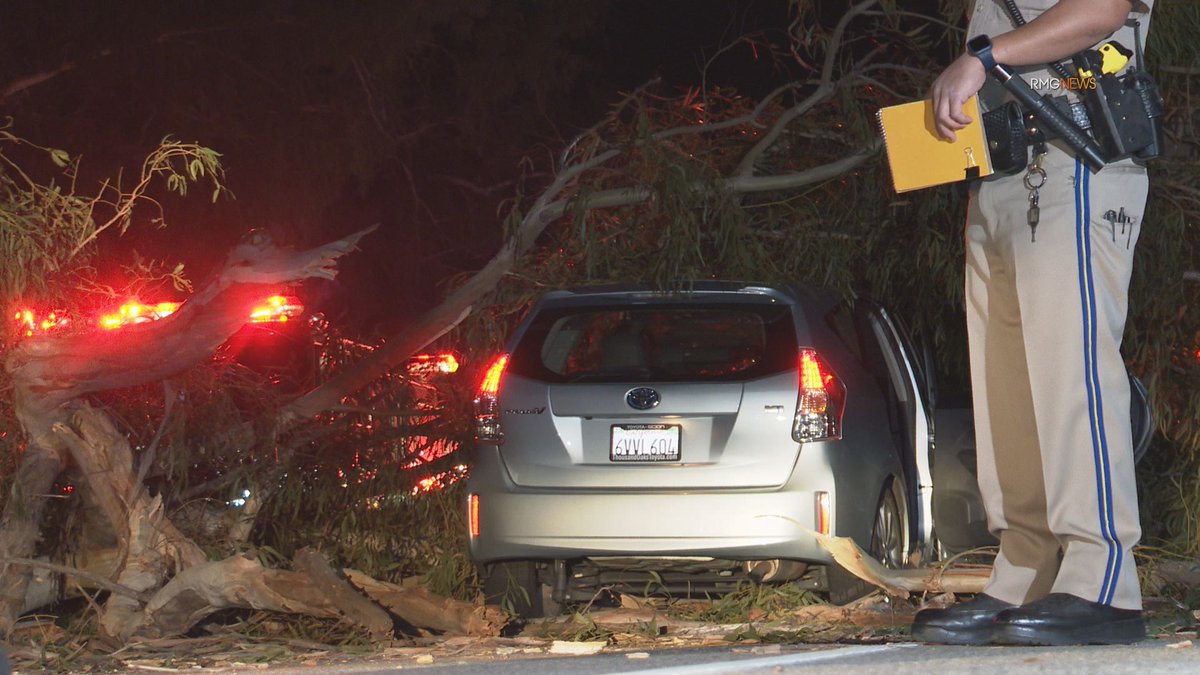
{"x":979,"y":43}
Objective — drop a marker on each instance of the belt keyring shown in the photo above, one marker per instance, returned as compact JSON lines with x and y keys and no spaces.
{"x":1035,"y":178}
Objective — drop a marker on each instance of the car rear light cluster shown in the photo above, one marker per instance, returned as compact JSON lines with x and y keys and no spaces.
{"x":821,"y":401}
{"x":487,"y":403}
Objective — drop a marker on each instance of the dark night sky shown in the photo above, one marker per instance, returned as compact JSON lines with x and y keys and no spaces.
{"x":334,"y":115}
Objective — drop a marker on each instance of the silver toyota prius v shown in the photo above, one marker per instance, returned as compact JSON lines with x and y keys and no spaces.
{"x":683,"y":442}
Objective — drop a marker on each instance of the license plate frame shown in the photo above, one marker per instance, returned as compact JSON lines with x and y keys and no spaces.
{"x":645,"y":443}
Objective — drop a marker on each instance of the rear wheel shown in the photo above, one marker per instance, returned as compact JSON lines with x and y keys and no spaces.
{"x":514,"y":586}
{"x":889,"y":545}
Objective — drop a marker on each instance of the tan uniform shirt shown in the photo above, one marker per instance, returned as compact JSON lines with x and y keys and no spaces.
{"x":990,"y":17}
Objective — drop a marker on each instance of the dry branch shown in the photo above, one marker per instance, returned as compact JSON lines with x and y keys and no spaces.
{"x":903,"y":582}
{"x":48,"y":581}
{"x":1165,"y":573}
{"x":199,"y":591}
{"x":342,"y":595}
{"x":422,"y":608}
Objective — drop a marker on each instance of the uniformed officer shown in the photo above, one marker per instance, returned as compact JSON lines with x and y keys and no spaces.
{"x":1048,"y":264}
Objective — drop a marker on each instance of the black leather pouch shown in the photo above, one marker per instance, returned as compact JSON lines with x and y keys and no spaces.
{"x":1004,"y":128}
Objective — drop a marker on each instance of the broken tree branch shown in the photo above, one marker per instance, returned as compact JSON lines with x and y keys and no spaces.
{"x":419,"y":607}
{"x":903,"y":582}
{"x":342,"y":595}
{"x":243,"y":582}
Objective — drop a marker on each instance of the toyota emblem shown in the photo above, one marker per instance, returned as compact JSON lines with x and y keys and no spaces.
{"x":642,"y":398}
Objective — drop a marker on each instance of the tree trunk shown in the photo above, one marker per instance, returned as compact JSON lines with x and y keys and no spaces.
{"x":44,"y":459}
{"x":153,"y":547}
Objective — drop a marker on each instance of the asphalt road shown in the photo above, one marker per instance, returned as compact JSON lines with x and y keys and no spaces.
{"x":1151,"y":656}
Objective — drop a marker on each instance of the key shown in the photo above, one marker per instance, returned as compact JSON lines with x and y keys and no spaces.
{"x":1034,"y":214}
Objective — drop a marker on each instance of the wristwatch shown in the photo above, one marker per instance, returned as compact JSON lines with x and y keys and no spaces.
{"x":980,"y":47}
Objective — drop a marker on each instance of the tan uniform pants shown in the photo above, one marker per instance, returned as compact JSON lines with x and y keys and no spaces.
{"x":1051,"y":395}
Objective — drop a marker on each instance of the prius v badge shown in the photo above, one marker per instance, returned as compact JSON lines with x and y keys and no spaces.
{"x":642,"y":398}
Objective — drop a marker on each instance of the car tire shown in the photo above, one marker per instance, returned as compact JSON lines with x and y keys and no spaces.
{"x":889,"y":545}
{"x":514,"y":586}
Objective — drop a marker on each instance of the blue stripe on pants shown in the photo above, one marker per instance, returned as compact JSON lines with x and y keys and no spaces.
{"x":1092,"y":381}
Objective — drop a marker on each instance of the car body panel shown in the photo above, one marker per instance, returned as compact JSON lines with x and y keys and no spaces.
{"x":580,"y":418}
{"x":731,"y":524}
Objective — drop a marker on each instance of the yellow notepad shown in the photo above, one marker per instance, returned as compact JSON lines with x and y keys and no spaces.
{"x":920,"y":158}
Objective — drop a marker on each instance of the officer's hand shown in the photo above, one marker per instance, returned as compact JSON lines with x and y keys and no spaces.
{"x":950,"y":92}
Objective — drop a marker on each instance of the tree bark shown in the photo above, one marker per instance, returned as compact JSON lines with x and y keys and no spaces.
{"x":44,"y":459}
{"x":354,"y":606}
{"x":424,"y":609}
{"x":199,"y":591}
{"x":153,"y":547}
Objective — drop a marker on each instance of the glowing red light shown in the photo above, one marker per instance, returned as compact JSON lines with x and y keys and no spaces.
{"x":31,"y":324}
{"x":136,"y":312}
{"x":426,"y":364}
{"x":276,"y":309}
{"x":491,"y":379}
{"x":813,"y":375}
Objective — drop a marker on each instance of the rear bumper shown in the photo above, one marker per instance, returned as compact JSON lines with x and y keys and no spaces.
{"x":728,"y":525}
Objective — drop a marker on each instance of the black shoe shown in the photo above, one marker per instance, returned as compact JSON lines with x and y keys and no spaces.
{"x":967,"y":623}
{"x":1063,"y":619}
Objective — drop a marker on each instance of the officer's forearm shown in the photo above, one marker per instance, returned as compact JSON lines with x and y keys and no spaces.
{"x":1059,"y":32}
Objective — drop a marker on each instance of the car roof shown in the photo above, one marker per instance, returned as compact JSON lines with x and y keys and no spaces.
{"x":730,"y":291}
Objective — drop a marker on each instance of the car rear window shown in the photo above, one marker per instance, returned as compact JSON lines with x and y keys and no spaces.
{"x":673,"y":343}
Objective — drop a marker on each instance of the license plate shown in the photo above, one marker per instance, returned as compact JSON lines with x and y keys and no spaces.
{"x":644,"y":443}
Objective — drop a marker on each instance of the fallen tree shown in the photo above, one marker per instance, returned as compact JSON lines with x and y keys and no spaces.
{"x":162,"y":583}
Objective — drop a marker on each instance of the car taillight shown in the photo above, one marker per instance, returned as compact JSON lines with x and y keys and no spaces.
{"x":821,"y":401}
{"x":487,"y":403}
